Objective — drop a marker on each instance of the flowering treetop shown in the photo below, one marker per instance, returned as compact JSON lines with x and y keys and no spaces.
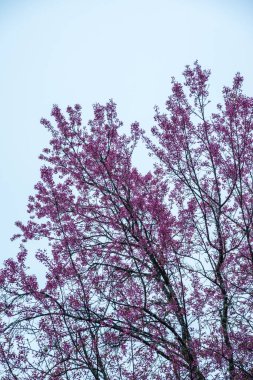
{"x":147,"y":276}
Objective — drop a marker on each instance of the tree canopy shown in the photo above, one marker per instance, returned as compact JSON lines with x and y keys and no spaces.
{"x":148,"y":276}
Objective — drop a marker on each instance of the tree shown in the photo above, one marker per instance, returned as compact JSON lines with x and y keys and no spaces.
{"x":148,"y":276}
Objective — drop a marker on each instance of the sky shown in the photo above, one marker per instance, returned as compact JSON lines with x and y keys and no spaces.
{"x":86,"y":51}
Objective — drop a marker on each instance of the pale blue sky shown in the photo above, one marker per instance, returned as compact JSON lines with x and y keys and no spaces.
{"x":87,"y":51}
